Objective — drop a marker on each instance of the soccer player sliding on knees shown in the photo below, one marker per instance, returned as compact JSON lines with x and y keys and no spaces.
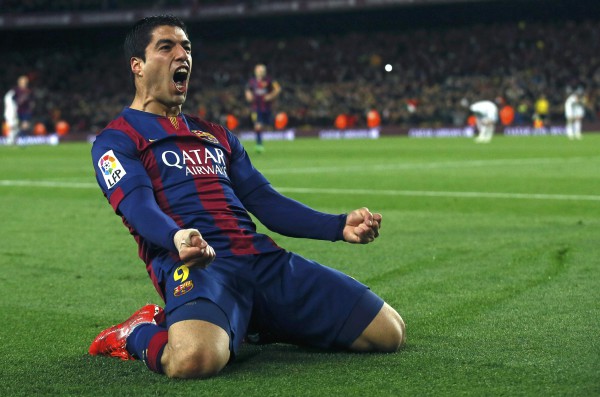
{"x":185,"y":189}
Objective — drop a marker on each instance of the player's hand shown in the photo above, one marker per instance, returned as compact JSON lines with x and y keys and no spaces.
{"x":362,"y":226}
{"x":193,"y":250}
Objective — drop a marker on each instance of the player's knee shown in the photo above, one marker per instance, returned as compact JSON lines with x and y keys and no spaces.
{"x":197,"y":363}
{"x":387,"y":333}
{"x":395,"y":334}
{"x":400,"y":334}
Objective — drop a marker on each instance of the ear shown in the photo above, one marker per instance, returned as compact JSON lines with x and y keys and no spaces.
{"x":137,"y":66}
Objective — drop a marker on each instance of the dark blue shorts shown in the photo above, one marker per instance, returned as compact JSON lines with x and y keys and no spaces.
{"x":293,"y":299}
{"x":263,"y":117}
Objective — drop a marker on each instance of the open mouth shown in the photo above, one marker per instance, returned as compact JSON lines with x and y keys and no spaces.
{"x":180,"y":79}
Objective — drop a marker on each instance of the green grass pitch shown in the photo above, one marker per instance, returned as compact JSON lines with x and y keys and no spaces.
{"x":489,"y":252}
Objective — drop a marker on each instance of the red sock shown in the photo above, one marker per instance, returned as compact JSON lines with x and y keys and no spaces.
{"x":155,"y":351}
{"x":147,"y":343}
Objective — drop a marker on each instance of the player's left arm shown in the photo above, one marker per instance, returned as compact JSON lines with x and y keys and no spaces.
{"x":294,"y":219}
{"x":291,"y":218}
{"x":362,"y":226}
{"x":276,"y":90}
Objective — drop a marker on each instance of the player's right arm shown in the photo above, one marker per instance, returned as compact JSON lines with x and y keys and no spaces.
{"x":143,"y":213}
{"x":249,"y":95}
{"x":128,"y":188}
{"x":248,"y":92}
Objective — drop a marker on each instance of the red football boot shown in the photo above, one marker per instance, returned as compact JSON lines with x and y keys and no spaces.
{"x":112,"y":341}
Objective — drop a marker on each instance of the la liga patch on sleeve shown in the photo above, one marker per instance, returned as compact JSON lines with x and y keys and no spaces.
{"x":111,"y":169}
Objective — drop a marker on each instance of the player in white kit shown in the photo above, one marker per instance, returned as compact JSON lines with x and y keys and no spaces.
{"x":486,"y":115}
{"x":574,"y":112}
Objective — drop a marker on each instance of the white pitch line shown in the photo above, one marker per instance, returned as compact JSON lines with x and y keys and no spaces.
{"x":422,"y":166}
{"x":51,"y":184}
{"x":368,"y":192}
{"x":427,"y":193}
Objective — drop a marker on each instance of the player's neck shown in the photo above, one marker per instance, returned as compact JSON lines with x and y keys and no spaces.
{"x":152,"y":106}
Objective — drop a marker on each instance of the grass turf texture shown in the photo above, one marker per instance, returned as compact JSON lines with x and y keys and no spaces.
{"x":500,"y":293}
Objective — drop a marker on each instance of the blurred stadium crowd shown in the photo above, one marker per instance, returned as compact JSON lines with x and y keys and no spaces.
{"x":20,"y":6}
{"x":435,"y":73}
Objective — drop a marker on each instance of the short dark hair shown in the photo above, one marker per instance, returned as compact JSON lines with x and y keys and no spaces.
{"x":140,"y":35}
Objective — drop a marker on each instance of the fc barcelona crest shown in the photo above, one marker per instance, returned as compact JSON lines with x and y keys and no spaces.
{"x":206,"y":136}
{"x":184,"y":288}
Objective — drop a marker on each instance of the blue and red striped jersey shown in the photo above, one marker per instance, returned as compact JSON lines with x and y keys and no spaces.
{"x":163,"y":174}
{"x":259,"y":89}
{"x":198,"y":171}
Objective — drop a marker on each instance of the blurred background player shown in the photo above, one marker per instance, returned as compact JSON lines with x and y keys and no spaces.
{"x":486,"y":116}
{"x":18,"y":106}
{"x":261,"y":90}
{"x":574,"y":112}
{"x":10,"y":116}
